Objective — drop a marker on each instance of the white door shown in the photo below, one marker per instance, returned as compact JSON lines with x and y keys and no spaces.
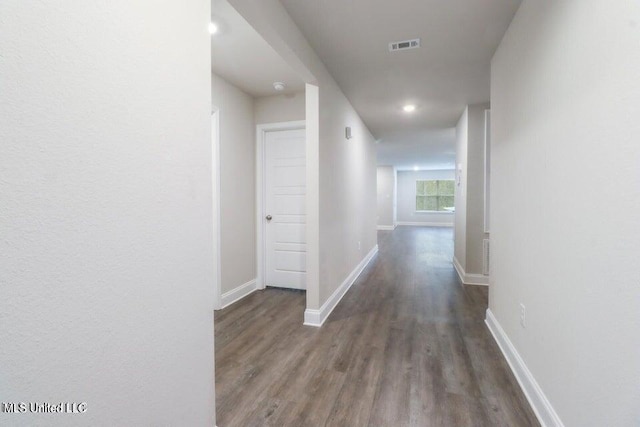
{"x":285,"y":213}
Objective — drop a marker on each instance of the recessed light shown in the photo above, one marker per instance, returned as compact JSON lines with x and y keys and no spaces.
{"x":213,"y":28}
{"x":409,"y":108}
{"x":415,"y":168}
{"x":279,"y":86}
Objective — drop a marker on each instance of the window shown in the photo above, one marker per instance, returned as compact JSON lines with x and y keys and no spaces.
{"x":435,"y":195}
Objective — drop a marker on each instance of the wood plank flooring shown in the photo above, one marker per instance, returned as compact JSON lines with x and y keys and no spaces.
{"x":406,"y":346}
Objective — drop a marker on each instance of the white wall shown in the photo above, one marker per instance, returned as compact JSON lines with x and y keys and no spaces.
{"x":105,"y":221}
{"x":345,"y":168}
{"x":460,"y":235}
{"x":475,"y":188}
{"x":386,"y":187}
{"x":565,"y":99}
{"x":470,"y":233}
{"x":237,"y":184}
{"x":407,"y":198}
{"x":239,"y":114}
{"x":279,"y":108}
{"x":348,"y":196}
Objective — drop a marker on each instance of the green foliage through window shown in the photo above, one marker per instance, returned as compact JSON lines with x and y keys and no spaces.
{"x":435,"y":195}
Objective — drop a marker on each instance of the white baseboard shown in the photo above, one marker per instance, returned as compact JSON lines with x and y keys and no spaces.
{"x":387,"y":227}
{"x":547,"y":416}
{"x":469,"y":279}
{"x":426,"y":224}
{"x":317,"y":317}
{"x":238,"y":293}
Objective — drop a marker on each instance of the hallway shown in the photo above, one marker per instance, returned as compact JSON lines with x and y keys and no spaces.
{"x":407,"y":345}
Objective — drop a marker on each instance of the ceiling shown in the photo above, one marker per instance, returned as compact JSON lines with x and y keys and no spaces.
{"x":449,"y":71}
{"x":242,"y":57}
{"x":430,"y":149}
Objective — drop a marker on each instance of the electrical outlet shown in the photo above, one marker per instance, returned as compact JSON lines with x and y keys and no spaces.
{"x":523,"y":316}
{"x":359,"y":246}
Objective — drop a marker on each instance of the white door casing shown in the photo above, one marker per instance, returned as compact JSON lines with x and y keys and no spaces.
{"x":284,"y":208}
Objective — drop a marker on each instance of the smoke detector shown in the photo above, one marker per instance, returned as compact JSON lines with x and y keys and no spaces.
{"x":404,"y":45}
{"x":279,"y":86}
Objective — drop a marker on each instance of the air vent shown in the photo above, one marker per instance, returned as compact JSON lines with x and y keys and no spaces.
{"x":403,"y":45}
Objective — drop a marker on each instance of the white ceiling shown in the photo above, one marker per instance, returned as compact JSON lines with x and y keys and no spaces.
{"x":242,"y":57}
{"x":426,"y":150}
{"x":449,"y":71}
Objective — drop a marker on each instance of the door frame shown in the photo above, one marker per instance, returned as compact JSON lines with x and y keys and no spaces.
{"x":215,"y":214}
{"x":261,"y":137}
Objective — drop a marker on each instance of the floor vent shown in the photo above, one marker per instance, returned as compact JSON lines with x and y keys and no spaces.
{"x":403,"y":45}
{"x":485,"y":257}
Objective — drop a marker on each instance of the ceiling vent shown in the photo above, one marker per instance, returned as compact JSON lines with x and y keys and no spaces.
{"x":403,"y":45}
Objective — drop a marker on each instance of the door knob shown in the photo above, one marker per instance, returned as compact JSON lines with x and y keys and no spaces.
{"x":269,"y":217}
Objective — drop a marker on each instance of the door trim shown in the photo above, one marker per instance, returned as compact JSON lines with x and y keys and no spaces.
{"x":215,"y":214}
{"x":261,"y":136}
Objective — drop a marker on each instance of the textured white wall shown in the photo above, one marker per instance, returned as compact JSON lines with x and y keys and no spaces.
{"x":279,"y":108}
{"x":237,"y":184}
{"x":105,"y":220}
{"x":386,"y":187}
{"x":565,"y":98}
{"x":407,"y":197}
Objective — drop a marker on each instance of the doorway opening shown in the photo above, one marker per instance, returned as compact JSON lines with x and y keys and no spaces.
{"x":281,"y":205}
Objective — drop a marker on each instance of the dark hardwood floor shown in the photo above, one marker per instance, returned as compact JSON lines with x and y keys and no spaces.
{"x":406,"y":346}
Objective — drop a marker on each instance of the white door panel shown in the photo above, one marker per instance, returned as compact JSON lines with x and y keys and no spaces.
{"x":293,"y":233}
{"x":289,"y":176}
{"x":285,"y":193}
{"x":290,"y":261}
{"x":288,"y":205}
